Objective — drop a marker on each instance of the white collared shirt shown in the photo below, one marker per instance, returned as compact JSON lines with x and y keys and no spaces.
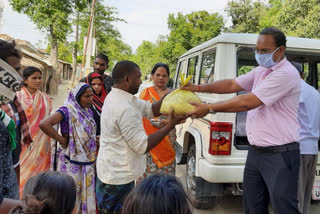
{"x":123,"y":140}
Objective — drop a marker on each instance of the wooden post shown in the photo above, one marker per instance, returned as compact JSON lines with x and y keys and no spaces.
{"x":88,"y":35}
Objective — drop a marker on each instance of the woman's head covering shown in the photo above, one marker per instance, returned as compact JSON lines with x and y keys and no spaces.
{"x":75,"y":93}
{"x":97,"y":99}
{"x":82,"y":128}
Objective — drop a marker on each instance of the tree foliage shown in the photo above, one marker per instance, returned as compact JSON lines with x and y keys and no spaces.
{"x":246,"y":15}
{"x":146,"y":56}
{"x":186,"y":32}
{"x":299,"y":18}
{"x":65,"y":51}
{"x":190,"y":30}
{"x":52,"y":17}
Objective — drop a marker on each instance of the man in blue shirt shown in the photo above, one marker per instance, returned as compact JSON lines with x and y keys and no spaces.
{"x":309,"y":119}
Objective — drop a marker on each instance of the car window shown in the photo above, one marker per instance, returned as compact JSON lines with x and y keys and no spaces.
{"x":207,"y":67}
{"x":310,"y":62}
{"x":192,"y":65}
{"x":182,"y":67}
{"x":245,"y":63}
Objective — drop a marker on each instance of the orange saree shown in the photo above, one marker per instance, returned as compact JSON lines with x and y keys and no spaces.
{"x":163,"y":154}
{"x":34,"y":158}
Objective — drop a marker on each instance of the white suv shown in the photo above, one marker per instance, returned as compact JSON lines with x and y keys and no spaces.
{"x":214,"y":148}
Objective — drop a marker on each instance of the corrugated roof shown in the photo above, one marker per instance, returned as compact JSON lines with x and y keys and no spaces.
{"x":35,"y":56}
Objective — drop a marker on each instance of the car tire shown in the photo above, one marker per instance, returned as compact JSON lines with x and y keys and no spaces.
{"x":199,"y":202}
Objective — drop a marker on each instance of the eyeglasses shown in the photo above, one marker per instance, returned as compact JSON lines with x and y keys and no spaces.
{"x":264,"y":51}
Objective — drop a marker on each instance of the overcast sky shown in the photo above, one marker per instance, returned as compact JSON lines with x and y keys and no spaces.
{"x":146,"y":19}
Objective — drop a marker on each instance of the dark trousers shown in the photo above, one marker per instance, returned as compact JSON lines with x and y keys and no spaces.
{"x":271,"y":177}
{"x":110,"y":198}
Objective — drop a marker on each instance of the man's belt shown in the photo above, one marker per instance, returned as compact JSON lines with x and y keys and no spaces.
{"x":282,"y":148}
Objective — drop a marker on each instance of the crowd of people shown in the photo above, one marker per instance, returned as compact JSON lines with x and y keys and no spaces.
{"x":108,"y":151}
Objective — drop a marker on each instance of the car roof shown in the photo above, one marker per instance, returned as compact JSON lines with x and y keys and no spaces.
{"x":250,"y":39}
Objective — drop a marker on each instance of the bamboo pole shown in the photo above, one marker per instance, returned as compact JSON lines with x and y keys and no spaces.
{"x":88,"y":34}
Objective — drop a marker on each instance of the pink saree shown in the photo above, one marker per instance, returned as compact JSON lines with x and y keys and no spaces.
{"x":34,"y":158}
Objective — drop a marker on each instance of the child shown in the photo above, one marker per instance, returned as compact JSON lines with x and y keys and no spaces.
{"x":48,"y":193}
{"x":158,"y":194}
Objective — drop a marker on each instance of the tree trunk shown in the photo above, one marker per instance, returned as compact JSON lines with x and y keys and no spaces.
{"x":75,"y":52}
{"x":56,"y":73}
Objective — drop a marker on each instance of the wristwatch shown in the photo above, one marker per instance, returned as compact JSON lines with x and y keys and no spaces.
{"x":211,"y":111}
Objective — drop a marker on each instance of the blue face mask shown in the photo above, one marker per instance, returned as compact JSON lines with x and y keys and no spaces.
{"x":266,"y":60}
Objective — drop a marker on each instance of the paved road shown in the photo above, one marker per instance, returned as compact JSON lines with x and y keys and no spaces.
{"x":230,"y":204}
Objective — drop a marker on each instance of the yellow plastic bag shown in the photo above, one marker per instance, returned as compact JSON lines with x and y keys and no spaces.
{"x":179,"y":100}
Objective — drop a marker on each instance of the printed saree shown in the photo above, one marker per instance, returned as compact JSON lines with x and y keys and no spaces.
{"x":78,"y":160}
{"x":34,"y":158}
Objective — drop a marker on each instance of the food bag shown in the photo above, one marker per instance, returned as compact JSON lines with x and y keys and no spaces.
{"x":179,"y":100}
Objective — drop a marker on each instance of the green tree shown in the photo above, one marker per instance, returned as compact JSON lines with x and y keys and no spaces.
{"x":146,"y":57}
{"x":65,"y":51}
{"x":246,"y":15}
{"x":188,"y":31}
{"x":295,"y":17}
{"x":271,"y":17}
{"x":300,"y":18}
{"x":50,"y":16}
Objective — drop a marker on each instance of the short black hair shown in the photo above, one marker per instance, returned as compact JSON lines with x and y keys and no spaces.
{"x":103,"y":57}
{"x":8,"y":49}
{"x":28,"y":71}
{"x":122,"y":69}
{"x":278,"y":36}
{"x":158,"y":65}
{"x":158,"y":194}
{"x":49,"y":193}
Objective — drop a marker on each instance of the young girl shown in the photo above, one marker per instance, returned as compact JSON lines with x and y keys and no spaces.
{"x":99,"y":94}
{"x":158,"y":194}
{"x":76,"y":154}
{"x":48,"y":193}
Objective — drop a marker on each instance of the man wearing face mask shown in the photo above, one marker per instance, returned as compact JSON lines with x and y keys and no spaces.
{"x":272,"y":166}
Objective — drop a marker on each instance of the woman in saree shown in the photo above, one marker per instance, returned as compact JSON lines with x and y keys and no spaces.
{"x":35,"y":157}
{"x":160,"y":159}
{"x":76,"y":152}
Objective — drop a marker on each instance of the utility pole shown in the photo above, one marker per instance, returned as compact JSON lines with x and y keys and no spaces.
{"x":75,"y":51}
{"x":89,"y":37}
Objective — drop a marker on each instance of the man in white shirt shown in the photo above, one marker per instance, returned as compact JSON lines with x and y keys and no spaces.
{"x":123,"y":140}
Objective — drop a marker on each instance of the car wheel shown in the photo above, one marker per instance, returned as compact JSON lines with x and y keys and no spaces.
{"x":200,"y":202}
